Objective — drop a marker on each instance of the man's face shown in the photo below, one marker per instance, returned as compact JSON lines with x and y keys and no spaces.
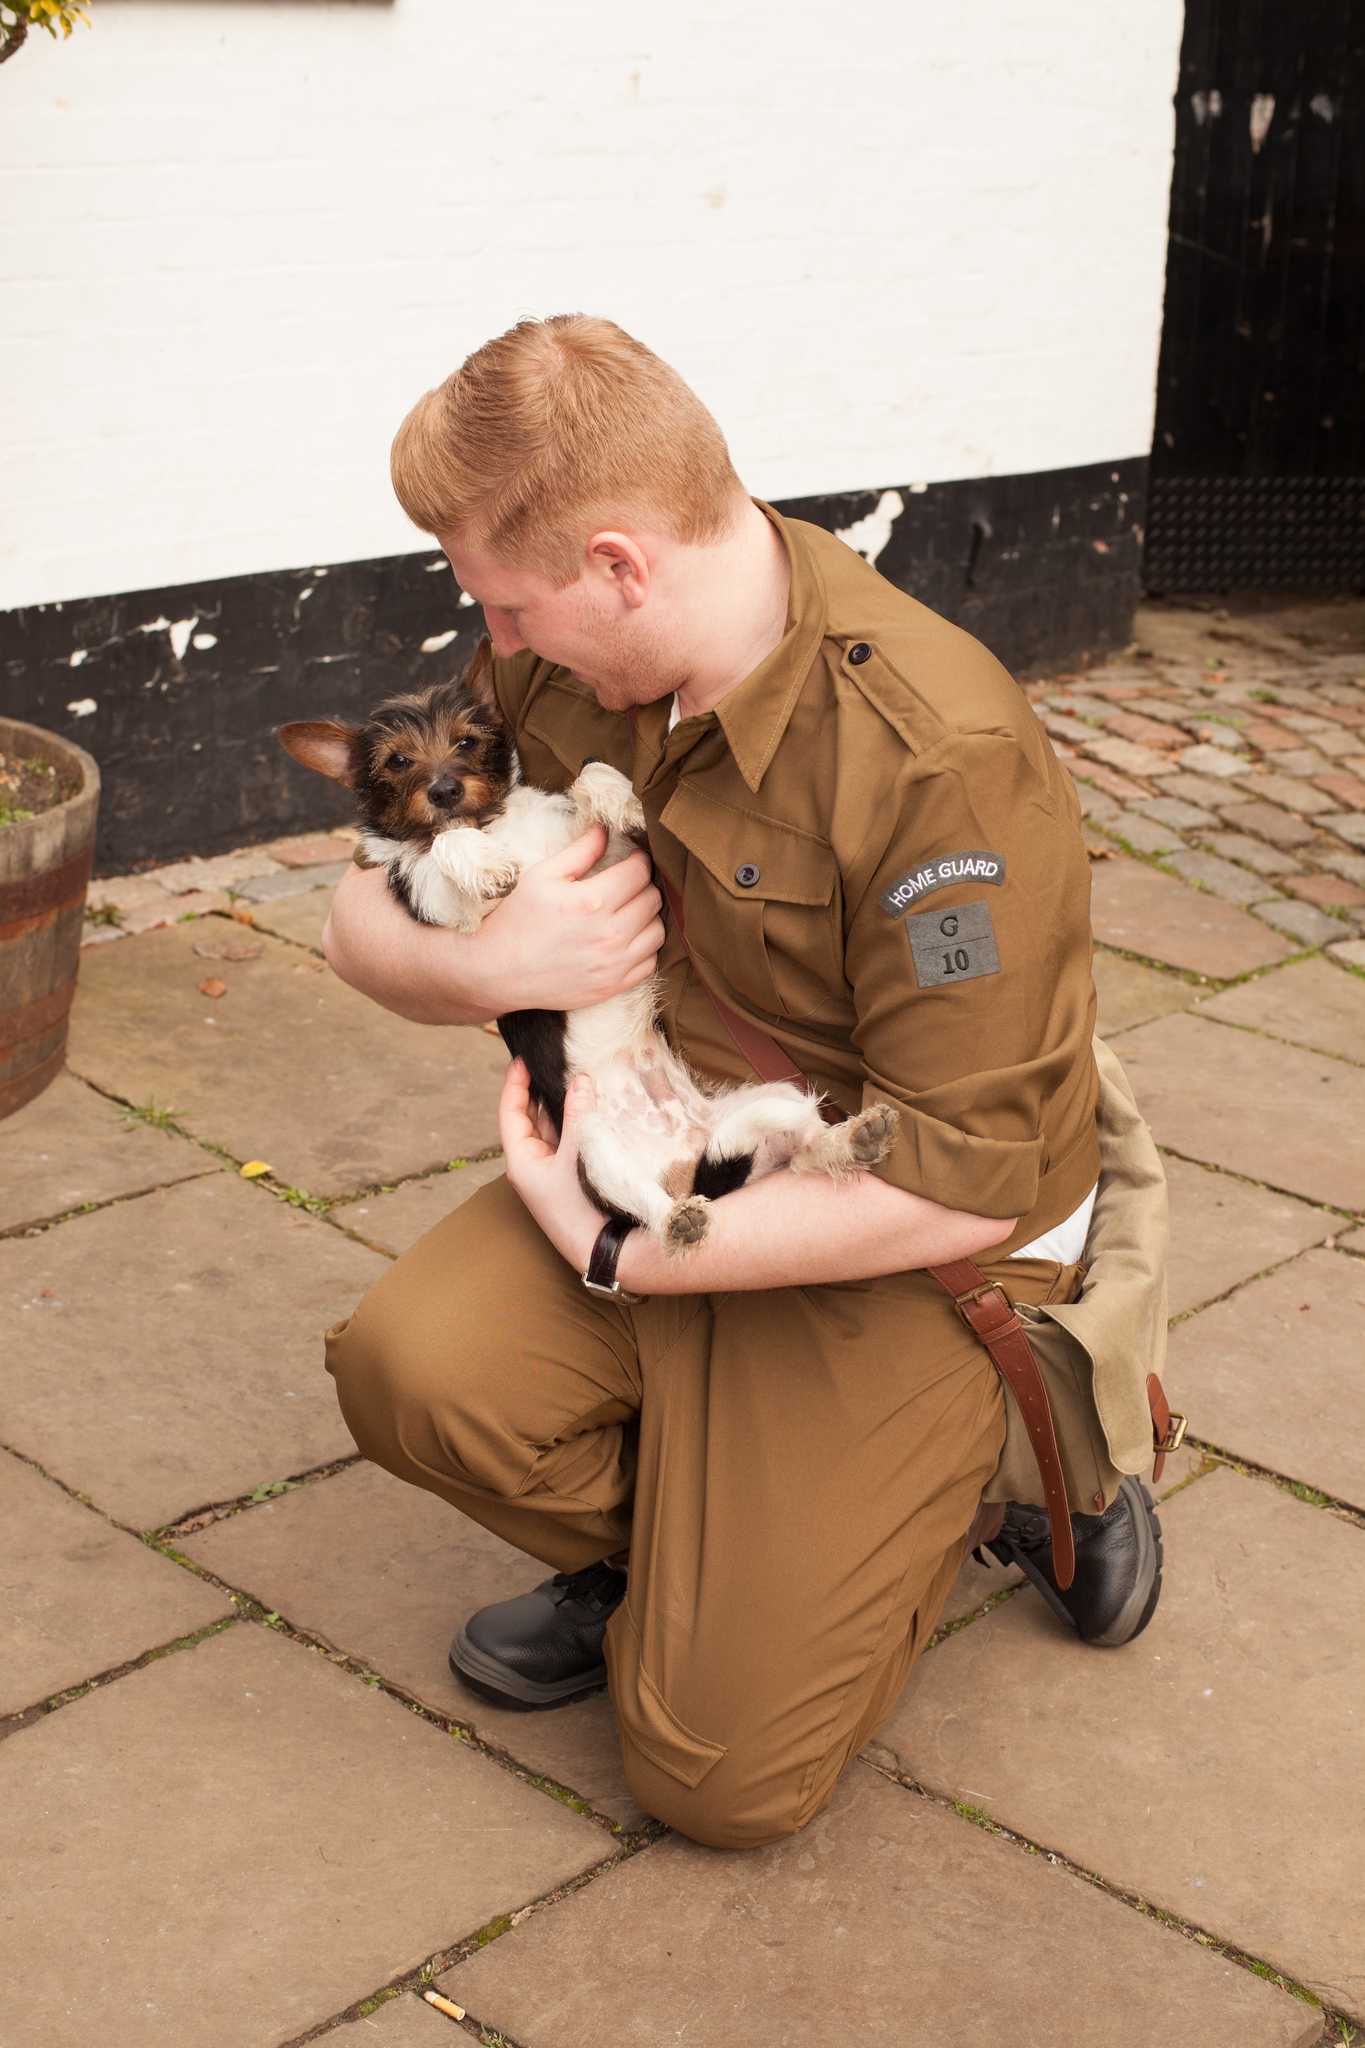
{"x":618,"y":649}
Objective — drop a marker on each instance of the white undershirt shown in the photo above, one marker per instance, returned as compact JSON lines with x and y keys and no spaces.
{"x":1066,"y":1240}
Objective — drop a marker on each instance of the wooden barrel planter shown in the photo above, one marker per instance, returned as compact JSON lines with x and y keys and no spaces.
{"x":44,"y":869}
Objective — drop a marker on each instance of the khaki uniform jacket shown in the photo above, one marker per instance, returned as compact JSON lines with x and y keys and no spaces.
{"x":881,"y":862}
{"x":882,"y":867}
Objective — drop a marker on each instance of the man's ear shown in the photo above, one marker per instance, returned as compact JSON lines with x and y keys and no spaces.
{"x":325,"y":745}
{"x":478,"y":677}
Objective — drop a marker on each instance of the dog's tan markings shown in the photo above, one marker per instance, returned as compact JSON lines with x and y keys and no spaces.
{"x":676,"y":1180}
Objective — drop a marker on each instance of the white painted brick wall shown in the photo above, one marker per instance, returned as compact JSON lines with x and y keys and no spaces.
{"x":891,"y":241}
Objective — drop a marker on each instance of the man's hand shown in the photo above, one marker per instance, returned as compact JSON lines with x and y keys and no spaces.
{"x":544,"y":1174}
{"x":557,"y":942}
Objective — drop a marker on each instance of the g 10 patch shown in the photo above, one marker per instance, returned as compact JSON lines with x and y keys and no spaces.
{"x":938,"y":873}
{"x":952,"y":945}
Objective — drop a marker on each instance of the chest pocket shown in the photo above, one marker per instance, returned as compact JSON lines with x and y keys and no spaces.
{"x":563,"y":727}
{"x":764,"y":909}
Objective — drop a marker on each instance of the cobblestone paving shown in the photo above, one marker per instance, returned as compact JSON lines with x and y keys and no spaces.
{"x":244,"y":1801}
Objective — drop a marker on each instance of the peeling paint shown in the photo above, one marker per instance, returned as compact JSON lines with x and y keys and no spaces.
{"x":155,"y":626}
{"x":307,"y":591}
{"x":436,"y":568}
{"x":1262,"y":114}
{"x":437,"y":641}
{"x":917,"y":490}
{"x":81,"y":707}
{"x":180,"y":636}
{"x":203,"y":641}
{"x":1321,"y":105}
{"x":76,"y":657}
{"x":466,"y":601}
{"x":1207,"y":105}
{"x":869,"y":536}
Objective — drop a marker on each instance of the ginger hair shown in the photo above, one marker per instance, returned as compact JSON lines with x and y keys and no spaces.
{"x":550,"y":431}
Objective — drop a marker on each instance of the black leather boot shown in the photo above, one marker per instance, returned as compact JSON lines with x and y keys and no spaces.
{"x":1118,"y":1564}
{"x":543,"y":1648}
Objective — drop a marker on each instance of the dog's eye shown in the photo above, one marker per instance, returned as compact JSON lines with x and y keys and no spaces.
{"x":398,"y":761}
{"x":467,"y":744}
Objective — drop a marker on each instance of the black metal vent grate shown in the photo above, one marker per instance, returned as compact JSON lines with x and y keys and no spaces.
{"x":1211,"y":533}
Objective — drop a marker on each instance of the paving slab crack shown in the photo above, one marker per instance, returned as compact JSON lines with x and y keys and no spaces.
{"x":415,"y":1981}
{"x":1339,"y":2016}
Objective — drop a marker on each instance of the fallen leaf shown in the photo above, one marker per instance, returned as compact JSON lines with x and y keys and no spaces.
{"x":1102,"y":852}
{"x":228,"y":949}
{"x":243,"y":916}
{"x":253,"y":1169}
{"x":213,"y":987}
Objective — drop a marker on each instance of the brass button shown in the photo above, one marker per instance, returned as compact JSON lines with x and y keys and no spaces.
{"x":859,"y":653}
{"x":746,"y":875}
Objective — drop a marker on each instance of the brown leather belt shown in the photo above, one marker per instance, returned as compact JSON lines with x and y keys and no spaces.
{"x":982,"y":1304}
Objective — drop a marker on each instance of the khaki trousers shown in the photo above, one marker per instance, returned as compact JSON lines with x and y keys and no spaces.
{"x":793,"y":1471}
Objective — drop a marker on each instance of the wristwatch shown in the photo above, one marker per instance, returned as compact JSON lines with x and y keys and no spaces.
{"x":600,"y":1277}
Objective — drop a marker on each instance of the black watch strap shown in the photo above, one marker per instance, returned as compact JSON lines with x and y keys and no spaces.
{"x":600,"y":1277}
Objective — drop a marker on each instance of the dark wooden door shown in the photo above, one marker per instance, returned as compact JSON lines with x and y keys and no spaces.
{"x":1258,"y":462}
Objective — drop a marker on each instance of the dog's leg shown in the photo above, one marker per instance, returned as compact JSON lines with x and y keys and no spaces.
{"x":842,"y":1149}
{"x":617,"y":1177}
{"x":602,"y":795}
{"x":475,"y":865}
{"x":778,"y":1118}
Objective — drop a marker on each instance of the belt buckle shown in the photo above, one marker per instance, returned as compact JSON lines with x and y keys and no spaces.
{"x":1175,"y":1432}
{"x":960,"y":1301}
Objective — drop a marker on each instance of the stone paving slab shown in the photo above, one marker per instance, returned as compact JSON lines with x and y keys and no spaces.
{"x":1223,"y":1230}
{"x":299,"y":919}
{"x":1131,"y":993}
{"x":289,"y":1066}
{"x":1147,"y":912}
{"x":387,"y":1573}
{"x":1312,"y":1003}
{"x":80,"y":1597}
{"x":886,"y":1920}
{"x":404,"y":2022}
{"x":1213,"y":1766}
{"x":1253,"y":1105}
{"x":69,"y":1146}
{"x":239,"y":1840}
{"x":397,"y":1220}
{"x":1274,"y":1373}
{"x":167,"y":1352}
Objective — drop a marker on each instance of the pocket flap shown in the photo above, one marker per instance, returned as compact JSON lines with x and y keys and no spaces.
{"x":573,"y":725}
{"x":778,"y":863}
{"x":647,"y":1722}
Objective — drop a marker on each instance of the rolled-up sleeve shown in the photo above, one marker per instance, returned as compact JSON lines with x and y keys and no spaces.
{"x":967,"y":949}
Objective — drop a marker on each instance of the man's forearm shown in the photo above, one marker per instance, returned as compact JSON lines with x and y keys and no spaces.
{"x":796,"y":1230}
{"x":372,"y":944}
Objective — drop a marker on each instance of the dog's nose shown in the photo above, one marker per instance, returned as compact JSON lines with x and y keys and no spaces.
{"x":446,"y":792}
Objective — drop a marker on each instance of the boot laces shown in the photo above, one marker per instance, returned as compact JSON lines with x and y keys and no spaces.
{"x":596,"y":1585}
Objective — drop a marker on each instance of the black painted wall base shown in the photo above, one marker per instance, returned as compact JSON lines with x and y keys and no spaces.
{"x":187,"y":684}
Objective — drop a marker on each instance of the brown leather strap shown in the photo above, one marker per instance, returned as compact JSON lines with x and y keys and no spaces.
{"x":764,"y":1054}
{"x":991,"y":1316}
{"x":983,"y":1306}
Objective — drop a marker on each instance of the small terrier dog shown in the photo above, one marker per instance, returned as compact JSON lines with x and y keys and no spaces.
{"x":444,"y":811}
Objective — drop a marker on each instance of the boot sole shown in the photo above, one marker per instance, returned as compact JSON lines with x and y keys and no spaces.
{"x":493,"y":1681}
{"x":1138,"y":1609}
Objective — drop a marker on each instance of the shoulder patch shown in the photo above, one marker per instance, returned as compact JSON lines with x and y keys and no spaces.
{"x":952,"y":945}
{"x":938,"y":873}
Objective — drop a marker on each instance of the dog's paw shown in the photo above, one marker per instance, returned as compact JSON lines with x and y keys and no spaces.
{"x":687,"y":1223}
{"x":871,"y":1133}
{"x":498,"y":879}
{"x":603,"y":796}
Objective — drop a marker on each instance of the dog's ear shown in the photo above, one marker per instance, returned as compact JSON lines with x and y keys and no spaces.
{"x":325,"y":745}
{"x":478,"y":677}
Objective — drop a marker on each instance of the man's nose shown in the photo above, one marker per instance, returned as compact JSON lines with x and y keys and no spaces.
{"x":500,"y":632}
{"x":445,"y":792}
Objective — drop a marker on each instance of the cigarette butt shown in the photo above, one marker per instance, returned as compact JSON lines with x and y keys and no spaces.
{"x":454,"y":2012}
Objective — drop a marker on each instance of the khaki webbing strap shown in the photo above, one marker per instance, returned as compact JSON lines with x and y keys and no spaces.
{"x":983,"y":1305}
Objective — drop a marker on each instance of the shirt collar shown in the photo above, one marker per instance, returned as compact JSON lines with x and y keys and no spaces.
{"x":756,"y":713}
